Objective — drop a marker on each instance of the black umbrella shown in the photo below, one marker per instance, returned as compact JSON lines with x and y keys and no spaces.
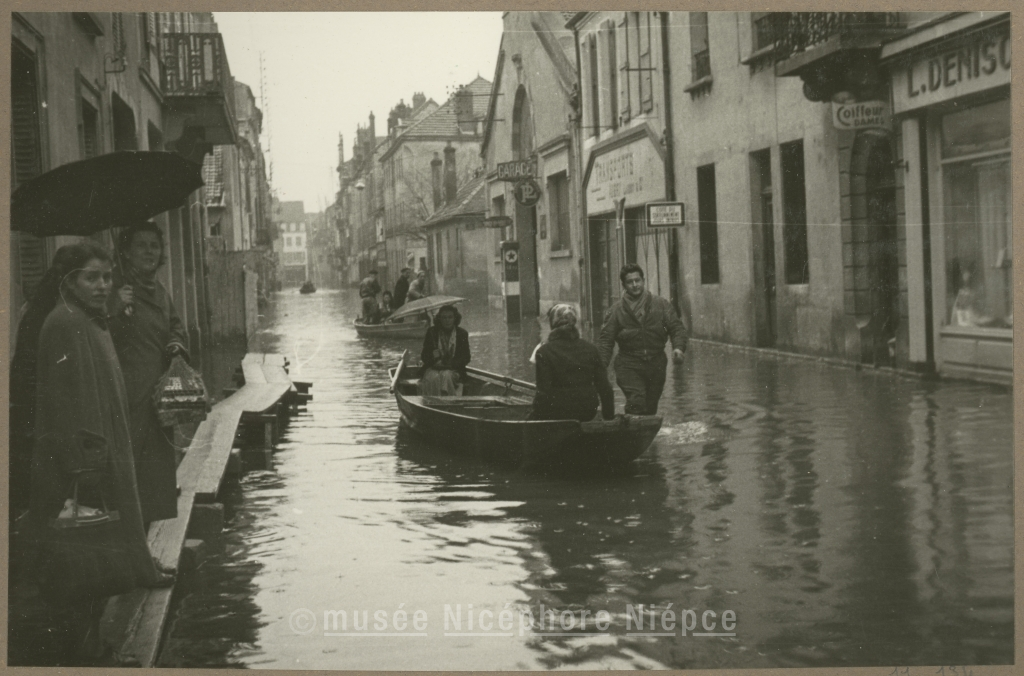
{"x":102,"y":192}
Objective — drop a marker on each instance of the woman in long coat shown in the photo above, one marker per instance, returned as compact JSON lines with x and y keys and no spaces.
{"x":80,"y":389}
{"x":147,"y":333}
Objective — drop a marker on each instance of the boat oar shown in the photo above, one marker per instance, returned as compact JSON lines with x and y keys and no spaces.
{"x":398,"y":371}
{"x":505,"y":379}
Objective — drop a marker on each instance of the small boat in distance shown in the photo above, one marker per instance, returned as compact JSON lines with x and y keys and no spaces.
{"x":307,"y":287}
{"x":409,"y":321}
{"x":490,"y":421}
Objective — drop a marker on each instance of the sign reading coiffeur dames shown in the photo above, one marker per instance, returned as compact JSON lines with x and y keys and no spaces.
{"x":861,"y":115}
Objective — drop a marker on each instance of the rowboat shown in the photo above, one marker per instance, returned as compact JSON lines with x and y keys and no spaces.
{"x":391,"y":329}
{"x":414,"y":315}
{"x":490,"y":420}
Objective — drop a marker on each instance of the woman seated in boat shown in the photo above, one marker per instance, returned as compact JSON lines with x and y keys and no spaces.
{"x":445,"y":355}
{"x":571,"y":379}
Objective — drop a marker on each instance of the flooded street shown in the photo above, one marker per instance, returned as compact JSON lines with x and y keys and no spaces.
{"x":844,"y":518}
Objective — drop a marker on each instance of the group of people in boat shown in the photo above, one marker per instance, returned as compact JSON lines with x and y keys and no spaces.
{"x":92,"y":344}
{"x":408,"y":288}
{"x":572,"y":373}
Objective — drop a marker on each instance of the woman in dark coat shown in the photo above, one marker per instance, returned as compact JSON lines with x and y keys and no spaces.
{"x":571,"y":379}
{"x":80,"y":390}
{"x":147,"y":334}
{"x":445,"y":355}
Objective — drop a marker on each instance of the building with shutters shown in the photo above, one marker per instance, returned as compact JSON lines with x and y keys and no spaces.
{"x":89,"y":83}
{"x":292,"y":242}
{"x":417,"y":137}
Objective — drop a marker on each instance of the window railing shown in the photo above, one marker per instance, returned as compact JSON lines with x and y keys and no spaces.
{"x":804,"y":30}
{"x":768,"y":28}
{"x":701,"y":64}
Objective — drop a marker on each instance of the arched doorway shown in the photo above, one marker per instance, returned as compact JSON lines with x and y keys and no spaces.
{"x":873,"y":250}
{"x":883,"y":254}
{"x":525,"y":217}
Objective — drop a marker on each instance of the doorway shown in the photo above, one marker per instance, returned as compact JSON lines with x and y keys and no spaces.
{"x":529,"y":284}
{"x":604,"y":268}
{"x":880,"y":194}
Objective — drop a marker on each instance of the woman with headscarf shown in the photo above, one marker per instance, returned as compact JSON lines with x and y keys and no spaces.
{"x":147,"y":333}
{"x":571,"y":380}
{"x":80,"y":393}
{"x":445,"y":355}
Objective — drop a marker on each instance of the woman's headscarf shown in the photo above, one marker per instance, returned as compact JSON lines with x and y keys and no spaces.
{"x":562,"y":315}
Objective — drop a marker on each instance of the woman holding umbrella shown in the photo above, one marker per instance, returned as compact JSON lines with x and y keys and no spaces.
{"x":147,"y":334}
{"x":80,"y":391}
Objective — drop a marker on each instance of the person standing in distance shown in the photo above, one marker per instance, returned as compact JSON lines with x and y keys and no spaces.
{"x":641,"y":323}
{"x":368,"y":290}
{"x":401,"y":289}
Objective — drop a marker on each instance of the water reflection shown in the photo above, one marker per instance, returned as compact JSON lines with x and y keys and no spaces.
{"x":847,"y":518}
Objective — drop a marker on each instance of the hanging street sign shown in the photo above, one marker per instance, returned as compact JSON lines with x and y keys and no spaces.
{"x":665,"y":214}
{"x":527,"y":192}
{"x":498,"y":222}
{"x":517,"y":170}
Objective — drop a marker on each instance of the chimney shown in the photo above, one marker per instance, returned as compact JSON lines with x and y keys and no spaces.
{"x":450,"y":180}
{"x":435,"y":179}
{"x":373,"y":132}
{"x":418,"y":99}
{"x":341,"y":149}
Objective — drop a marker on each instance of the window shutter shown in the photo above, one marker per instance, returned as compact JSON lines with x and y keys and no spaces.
{"x":646,"y":75}
{"x":27,"y":160}
{"x":624,"y":74}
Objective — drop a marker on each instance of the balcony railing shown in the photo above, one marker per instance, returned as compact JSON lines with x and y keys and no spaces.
{"x":768,"y":28}
{"x":196,"y":65}
{"x":804,"y":30}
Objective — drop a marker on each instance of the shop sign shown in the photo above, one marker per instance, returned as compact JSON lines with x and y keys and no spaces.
{"x":633,"y":172}
{"x":527,"y":192}
{"x":498,"y":222}
{"x":861,"y":115}
{"x":665,"y":215}
{"x":973,"y":64}
{"x":517,"y":170}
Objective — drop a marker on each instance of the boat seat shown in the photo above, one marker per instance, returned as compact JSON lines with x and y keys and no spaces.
{"x":468,"y":401}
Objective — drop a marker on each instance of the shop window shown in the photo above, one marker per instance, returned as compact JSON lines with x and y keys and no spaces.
{"x":707,"y":214}
{"x":700,"y":52}
{"x":558,"y":208}
{"x":977,"y":216}
{"x":794,"y":220}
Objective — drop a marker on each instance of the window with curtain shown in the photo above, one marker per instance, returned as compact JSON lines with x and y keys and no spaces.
{"x":977,"y":215}
{"x":700,"y":54}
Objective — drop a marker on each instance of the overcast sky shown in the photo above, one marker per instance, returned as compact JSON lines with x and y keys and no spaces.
{"x":325,"y":72}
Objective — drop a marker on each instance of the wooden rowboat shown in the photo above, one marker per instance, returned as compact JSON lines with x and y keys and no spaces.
{"x":386,"y":329}
{"x":490,"y":420}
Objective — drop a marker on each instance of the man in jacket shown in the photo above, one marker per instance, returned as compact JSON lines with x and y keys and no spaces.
{"x":401,"y":289}
{"x":641,"y":324}
{"x":368,"y":290}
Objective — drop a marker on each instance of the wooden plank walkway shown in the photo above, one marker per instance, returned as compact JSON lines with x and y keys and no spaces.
{"x":135,"y":622}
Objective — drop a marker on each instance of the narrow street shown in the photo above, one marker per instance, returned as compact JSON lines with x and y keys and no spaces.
{"x":845,"y":517}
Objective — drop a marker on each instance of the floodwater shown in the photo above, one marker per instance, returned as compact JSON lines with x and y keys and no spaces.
{"x":844,"y":518}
